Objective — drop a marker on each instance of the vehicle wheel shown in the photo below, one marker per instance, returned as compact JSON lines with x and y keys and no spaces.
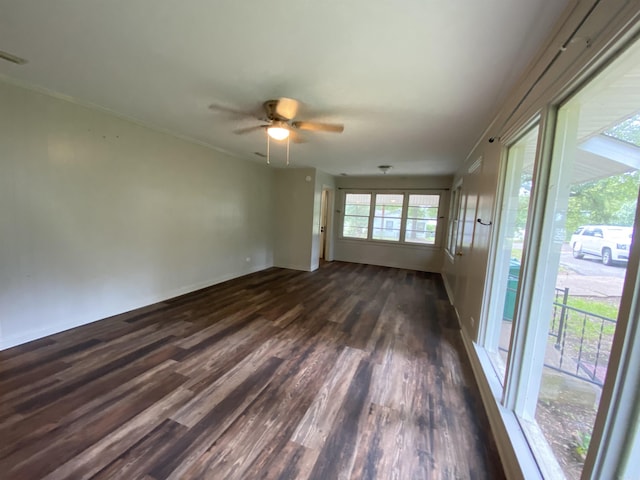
{"x":606,"y":256}
{"x":577,"y":251}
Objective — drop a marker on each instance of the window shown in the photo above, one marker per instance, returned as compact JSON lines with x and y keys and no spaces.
{"x":454,"y":215}
{"x":557,"y":303}
{"x":422,"y":219}
{"x":511,"y":231}
{"x":387,"y":217}
{"x":399,"y":217}
{"x":356,"y":215}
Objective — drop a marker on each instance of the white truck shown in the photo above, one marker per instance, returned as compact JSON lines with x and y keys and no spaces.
{"x":608,"y":242}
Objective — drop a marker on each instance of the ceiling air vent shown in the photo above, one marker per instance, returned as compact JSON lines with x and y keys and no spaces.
{"x":12,"y":58}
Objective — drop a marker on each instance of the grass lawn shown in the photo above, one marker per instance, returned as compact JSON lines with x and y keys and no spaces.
{"x":576,"y":321}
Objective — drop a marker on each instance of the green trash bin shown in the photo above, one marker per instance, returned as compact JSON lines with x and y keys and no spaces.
{"x":512,"y":287}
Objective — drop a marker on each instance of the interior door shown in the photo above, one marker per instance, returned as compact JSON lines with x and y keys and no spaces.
{"x":467,"y":225}
{"x":323,"y":224}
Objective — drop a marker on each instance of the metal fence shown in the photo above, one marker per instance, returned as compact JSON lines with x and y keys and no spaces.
{"x":581,"y":341}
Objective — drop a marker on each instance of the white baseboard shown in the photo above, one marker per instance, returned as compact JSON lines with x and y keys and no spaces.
{"x":447,"y":288}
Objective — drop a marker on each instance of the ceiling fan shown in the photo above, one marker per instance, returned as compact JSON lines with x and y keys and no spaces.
{"x":278,"y":117}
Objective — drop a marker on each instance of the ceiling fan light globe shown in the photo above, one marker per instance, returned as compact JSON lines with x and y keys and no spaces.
{"x":278,"y":133}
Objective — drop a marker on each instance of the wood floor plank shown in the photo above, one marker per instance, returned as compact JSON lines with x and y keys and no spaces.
{"x":351,"y":371}
{"x":337,"y":455}
{"x":137,"y":459}
{"x":204,"y":434}
{"x":314,"y":428}
{"x":206,"y":399}
{"x":28,"y":429}
{"x":34,"y":461}
{"x":113,"y":446}
{"x":268,"y":422}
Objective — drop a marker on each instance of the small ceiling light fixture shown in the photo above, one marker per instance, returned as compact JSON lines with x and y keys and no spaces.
{"x":278,"y":130}
{"x":384,"y":168}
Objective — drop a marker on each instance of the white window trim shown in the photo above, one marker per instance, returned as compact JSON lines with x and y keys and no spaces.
{"x":453,"y":220}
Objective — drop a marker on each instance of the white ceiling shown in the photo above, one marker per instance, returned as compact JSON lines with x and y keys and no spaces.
{"x":415,"y":81}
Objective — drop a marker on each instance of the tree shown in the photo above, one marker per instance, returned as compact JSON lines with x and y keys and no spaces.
{"x":608,"y":201}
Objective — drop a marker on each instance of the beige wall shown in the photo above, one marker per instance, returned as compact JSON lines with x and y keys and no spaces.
{"x":293,"y":217}
{"x":425,"y":258}
{"x":100,"y":216}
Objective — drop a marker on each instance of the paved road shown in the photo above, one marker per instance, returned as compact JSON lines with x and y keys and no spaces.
{"x":590,"y":266}
{"x":589,"y":277}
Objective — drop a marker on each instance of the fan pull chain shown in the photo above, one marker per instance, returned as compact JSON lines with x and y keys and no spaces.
{"x":288,"y":141}
{"x":268,"y":162}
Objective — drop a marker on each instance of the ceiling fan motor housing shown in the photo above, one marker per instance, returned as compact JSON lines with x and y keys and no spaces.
{"x":270,"y":110}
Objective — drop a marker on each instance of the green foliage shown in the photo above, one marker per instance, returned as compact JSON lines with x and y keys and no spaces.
{"x":583,"y":440}
{"x":594,"y":306}
{"x":608,"y":201}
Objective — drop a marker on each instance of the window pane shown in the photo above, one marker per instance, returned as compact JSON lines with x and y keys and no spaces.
{"x":422,"y":219}
{"x":387,"y":217}
{"x":421,"y":231}
{"x":362,"y":210}
{"x":515,"y":208}
{"x":422,"y":212}
{"x":356,"y":217}
{"x":389,"y":205}
{"x":358,"y":199}
{"x":360,"y":222}
{"x":454,"y":213}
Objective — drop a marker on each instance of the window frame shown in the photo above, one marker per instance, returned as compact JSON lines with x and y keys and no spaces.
{"x":442,"y":199}
{"x":373,"y":216}
{"x":426,"y":221}
{"x":453,"y":220}
{"x":344,"y":215}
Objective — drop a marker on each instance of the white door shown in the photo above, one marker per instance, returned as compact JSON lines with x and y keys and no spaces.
{"x":324,"y":204}
{"x":466,"y":230}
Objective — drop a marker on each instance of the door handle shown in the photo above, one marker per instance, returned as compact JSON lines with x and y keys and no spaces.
{"x":321,"y":229}
{"x":459,"y":253}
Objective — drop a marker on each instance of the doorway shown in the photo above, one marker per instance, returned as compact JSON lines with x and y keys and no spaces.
{"x":325,"y":225}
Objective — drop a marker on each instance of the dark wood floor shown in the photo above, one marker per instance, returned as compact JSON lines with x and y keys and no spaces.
{"x":352,"y":371}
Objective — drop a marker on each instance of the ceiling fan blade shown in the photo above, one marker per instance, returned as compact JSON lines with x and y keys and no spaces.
{"x":216,"y":107}
{"x":242,"y":131}
{"x":319,"y":127}
{"x":296,"y":137}
{"x":287,"y":108}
